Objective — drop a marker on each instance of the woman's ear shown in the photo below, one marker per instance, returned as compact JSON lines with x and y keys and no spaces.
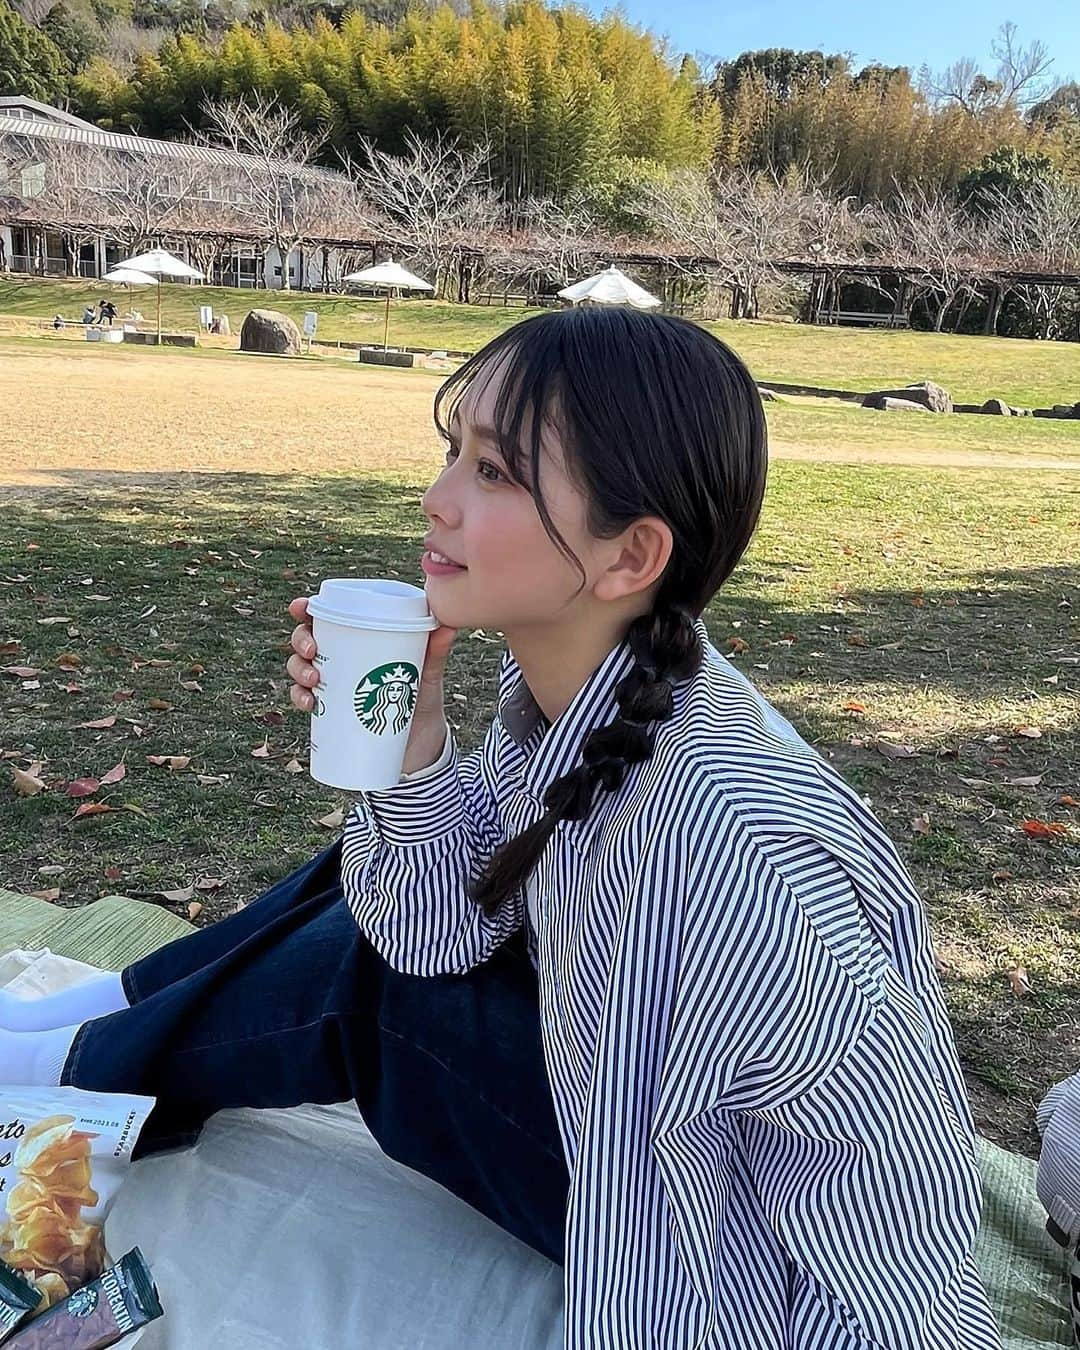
{"x":639,"y":556}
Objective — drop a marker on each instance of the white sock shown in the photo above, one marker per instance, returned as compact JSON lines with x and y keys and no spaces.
{"x":35,"y":1058}
{"x":96,"y":997}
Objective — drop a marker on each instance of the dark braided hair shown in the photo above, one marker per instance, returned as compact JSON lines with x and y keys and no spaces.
{"x":657,"y":417}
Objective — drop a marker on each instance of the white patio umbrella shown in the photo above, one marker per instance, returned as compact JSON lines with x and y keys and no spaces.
{"x":158,"y":263}
{"x":130,"y":277}
{"x":610,"y":287}
{"x":391,"y":276}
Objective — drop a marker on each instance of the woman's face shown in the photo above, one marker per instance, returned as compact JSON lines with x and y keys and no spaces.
{"x":513,"y":574}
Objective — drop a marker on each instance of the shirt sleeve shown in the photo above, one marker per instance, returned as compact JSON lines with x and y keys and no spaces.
{"x":818,"y":1085}
{"x":410,"y":853}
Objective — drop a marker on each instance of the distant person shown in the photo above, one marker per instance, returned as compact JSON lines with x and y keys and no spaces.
{"x":58,"y":321}
{"x":89,"y":315}
{"x":107,"y":312}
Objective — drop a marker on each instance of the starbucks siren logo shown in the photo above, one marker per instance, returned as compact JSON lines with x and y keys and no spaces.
{"x":385,"y":698}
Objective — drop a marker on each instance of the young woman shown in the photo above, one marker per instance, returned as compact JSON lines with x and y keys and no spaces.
{"x":641,"y":978}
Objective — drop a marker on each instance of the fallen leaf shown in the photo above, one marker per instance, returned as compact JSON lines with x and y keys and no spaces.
{"x":122,"y":695}
{"x":853,"y":706}
{"x":1002,"y":874}
{"x":1043,"y":829}
{"x":69,"y":661}
{"x":56,"y":618}
{"x":857,"y":640}
{"x":31,"y":684}
{"x":272,"y":719}
{"x":334,"y":820}
{"x":196,"y":669}
{"x":1033,"y":781}
{"x":100,"y":725}
{"x":209,"y":884}
{"x":738,"y":644}
{"x":194,"y":910}
{"x":891,"y":751}
{"x":192,"y":686}
{"x":975,"y":782}
{"x":1032,"y":732}
{"x":921,"y":824}
{"x":159,"y":705}
{"x":211,"y":779}
{"x":181,"y":896}
{"x":294,"y":766}
{"x":1068,"y":801}
{"x":261,"y":751}
{"x":21,"y":672}
{"x":92,"y":809}
{"x":113,"y":874}
{"x":173,"y":761}
{"x":135,"y":810}
{"x":51,"y":870}
{"x":114,"y":775}
{"x":27,"y":784}
{"x":82,"y":787}
{"x":50,"y":895}
{"x":1018,"y":978}
{"x":247,"y":613}
{"x":72,"y":688}
{"x":10,"y":647}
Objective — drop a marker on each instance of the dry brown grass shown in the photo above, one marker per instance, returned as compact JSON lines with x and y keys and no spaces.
{"x":140,"y":410}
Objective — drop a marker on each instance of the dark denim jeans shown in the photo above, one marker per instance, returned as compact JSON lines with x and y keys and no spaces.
{"x":286,"y":1002}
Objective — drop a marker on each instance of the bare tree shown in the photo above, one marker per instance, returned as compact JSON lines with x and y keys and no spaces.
{"x":1020,"y":78}
{"x":286,"y":198}
{"x":939,"y":247}
{"x":73,"y":198}
{"x":435,"y":204}
{"x":690,"y":229}
{"x":1039,"y":233}
{"x":144,"y":198}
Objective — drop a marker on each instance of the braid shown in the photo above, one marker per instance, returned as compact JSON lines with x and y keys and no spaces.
{"x":666,"y":648}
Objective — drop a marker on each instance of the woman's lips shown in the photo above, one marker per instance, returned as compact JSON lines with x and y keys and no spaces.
{"x":432,"y":568}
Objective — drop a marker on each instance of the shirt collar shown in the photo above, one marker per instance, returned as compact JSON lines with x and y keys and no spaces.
{"x":559,"y":752}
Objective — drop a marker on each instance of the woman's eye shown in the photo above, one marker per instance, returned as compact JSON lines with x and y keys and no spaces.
{"x":484,"y":467}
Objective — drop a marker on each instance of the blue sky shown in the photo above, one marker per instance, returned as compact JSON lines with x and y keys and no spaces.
{"x":935,"y":32}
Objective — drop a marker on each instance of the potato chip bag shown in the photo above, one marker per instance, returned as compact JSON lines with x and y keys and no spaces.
{"x":63,"y":1154}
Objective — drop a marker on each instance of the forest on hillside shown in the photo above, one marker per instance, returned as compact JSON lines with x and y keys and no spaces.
{"x":564,"y":101}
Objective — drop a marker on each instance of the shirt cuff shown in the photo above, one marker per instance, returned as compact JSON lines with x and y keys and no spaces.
{"x":444,"y":759}
{"x":421,"y":807}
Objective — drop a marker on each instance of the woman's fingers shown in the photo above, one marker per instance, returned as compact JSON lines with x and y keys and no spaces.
{"x":302,"y":672}
{"x":301,"y":699}
{"x":298,"y":609}
{"x":302,"y":642}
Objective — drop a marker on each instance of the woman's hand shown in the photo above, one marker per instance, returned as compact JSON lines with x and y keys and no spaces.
{"x":300,"y":665}
{"x":428,"y":730}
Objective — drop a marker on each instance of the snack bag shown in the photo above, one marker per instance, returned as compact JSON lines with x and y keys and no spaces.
{"x":18,"y":1299}
{"x":63,"y":1154}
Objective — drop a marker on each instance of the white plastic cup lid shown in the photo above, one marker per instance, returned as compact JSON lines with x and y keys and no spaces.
{"x":391,"y":606}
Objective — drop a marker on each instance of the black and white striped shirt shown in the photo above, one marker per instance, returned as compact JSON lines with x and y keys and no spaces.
{"x":754,"y":1076}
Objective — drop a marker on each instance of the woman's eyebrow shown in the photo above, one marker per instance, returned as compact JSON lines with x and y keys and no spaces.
{"x":482,"y":432}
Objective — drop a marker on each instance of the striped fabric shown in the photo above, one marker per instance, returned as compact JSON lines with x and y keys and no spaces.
{"x":757,"y":1090}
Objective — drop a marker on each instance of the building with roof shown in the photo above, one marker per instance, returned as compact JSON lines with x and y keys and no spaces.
{"x":75,"y":199}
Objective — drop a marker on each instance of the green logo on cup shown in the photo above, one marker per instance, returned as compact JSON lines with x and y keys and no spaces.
{"x":385,"y":698}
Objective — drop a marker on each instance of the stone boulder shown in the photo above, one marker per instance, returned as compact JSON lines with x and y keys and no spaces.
{"x":897,"y":405}
{"x":271,"y":332}
{"x":996,"y":407}
{"x":930,"y":395}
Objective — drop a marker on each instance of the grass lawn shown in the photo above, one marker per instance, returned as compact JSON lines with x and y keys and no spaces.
{"x":1026,"y":374}
{"x":930,"y":608}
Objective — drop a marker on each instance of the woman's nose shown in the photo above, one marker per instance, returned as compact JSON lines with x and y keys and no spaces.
{"x":438,"y":501}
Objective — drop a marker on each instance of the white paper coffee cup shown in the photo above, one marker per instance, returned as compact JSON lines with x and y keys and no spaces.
{"x":371,"y":637}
